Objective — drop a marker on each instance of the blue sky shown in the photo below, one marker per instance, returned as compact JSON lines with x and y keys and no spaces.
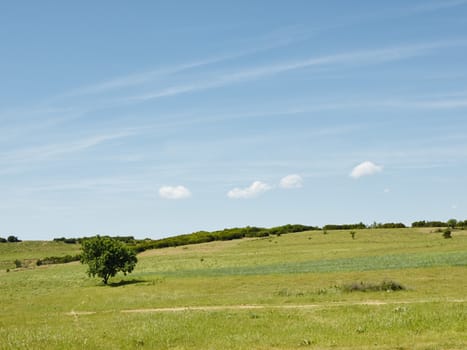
{"x":157,"y":118}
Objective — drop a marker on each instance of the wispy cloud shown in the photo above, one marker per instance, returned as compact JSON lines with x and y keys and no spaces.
{"x":396,"y":11}
{"x":103,"y":184}
{"x":277,"y":39}
{"x":44,"y":152}
{"x":359,"y":57}
{"x":430,"y":6}
{"x":139,"y":78}
{"x":417,"y":103}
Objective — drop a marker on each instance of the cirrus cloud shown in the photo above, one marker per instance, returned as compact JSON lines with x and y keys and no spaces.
{"x":254,"y":190}
{"x":291,"y":181}
{"x":365,"y":169}
{"x":174,"y":192}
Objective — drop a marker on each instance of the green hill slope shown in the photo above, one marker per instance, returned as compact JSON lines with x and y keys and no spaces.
{"x":277,"y":292}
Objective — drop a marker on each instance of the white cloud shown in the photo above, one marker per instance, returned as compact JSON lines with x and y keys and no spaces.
{"x":174,"y":192}
{"x":291,"y":181}
{"x":387,"y":190}
{"x":254,"y":190}
{"x":365,"y":169}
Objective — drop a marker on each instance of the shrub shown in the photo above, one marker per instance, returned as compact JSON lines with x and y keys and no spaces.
{"x":447,"y":233}
{"x":18,"y":263}
{"x":371,"y":287}
{"x":391,"y":286}
{"x":58,"y":259}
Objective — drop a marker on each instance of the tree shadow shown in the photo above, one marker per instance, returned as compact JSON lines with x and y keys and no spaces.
{"x":125,"y":282}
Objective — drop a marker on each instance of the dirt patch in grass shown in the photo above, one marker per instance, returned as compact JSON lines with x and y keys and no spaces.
{"x":269,"y":307}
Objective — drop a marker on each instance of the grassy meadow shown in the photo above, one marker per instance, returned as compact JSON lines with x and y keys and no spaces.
{"x":279,"y":292}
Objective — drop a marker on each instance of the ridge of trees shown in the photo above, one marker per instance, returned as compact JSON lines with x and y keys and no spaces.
{"x":453,"y":223}
{"x":227,"y":234}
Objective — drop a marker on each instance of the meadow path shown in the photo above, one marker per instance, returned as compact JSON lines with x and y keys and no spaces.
{"x":273,"y":307}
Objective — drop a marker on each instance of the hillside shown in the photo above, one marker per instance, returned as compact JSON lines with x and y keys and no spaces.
{"x":278,"y":292}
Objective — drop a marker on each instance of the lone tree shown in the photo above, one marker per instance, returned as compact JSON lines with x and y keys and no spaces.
{"x":106,"y":256}
{"x":13,"y":239}
{"x":452,"y":223}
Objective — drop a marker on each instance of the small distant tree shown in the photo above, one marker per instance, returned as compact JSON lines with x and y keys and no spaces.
{"x":452,"y":223}
{"x":353,"y":233}
{"x":106,"y":256}
{"x":13,"y":239}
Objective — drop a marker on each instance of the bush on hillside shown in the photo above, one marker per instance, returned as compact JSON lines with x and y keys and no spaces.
{"x":58,"y":259}
{"x":447,"y":233}
{"x":371,"y":287}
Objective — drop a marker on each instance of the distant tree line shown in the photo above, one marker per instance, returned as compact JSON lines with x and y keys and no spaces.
{"x":124,"y":239}
{"x":452,"y":223}
{"x":222,"y":235}
{"x":424,"y":223}
{"x":361,"y":226}
{"x":388,"y":225}
{"x":68,"y":240}
{"x":248,"y":231}
{"x":358,"y":226}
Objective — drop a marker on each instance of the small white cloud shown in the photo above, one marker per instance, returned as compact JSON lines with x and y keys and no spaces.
{"x":254,"y":190}
{"x":291,"y":181}
{"x":387,"y":190}
{"x":365,"y":169}
{"x":454,"y":206}
{"x":174,"y":192}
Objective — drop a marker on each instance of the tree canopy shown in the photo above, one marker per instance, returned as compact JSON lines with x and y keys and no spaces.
{"x":106,"y":257}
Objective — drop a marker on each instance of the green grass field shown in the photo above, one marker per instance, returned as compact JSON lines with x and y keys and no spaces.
{"x":268,"y":293}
